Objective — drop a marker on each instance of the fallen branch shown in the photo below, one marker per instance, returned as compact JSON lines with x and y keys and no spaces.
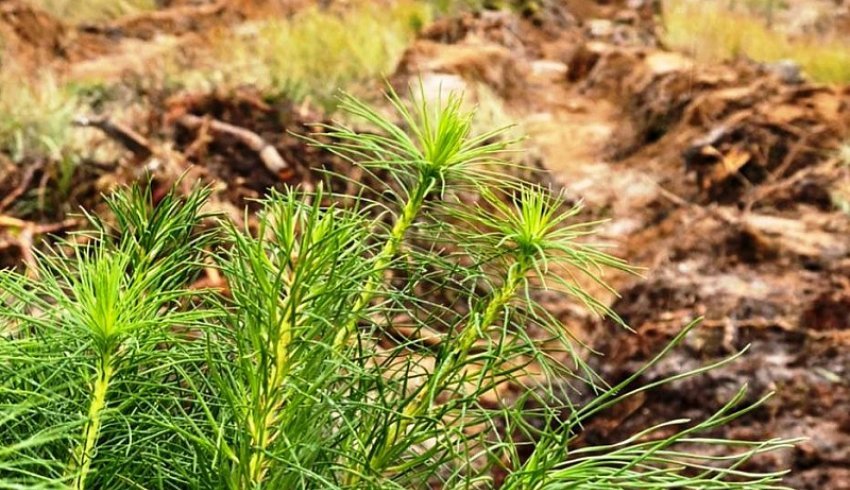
{"x":773,"y":185}
{"x":24,"y":240}
{"x":22,"y":187}
{"x":267,"y":153}
{"x":38,"y":229}
{"x":130,"y":139}
{"x":713,"y":212}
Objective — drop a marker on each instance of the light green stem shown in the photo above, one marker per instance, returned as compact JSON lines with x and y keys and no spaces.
{"x":262,"y":427}
{"x":84,"y":454}
{"x":383,"y":259}
{"x":421,"y":403}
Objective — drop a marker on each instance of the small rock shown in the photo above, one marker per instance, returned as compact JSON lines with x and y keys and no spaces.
{"x":437,"y":86}
{"x":548,"y":70}
{"x":600,"y":28}
{"x":788,"y":71}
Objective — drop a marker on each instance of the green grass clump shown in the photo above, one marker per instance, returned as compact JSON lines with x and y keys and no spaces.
{"x":315,"y":52}
{"x":35,"y":114}
{"x":116,"y":373}
{"x":712,"y":32}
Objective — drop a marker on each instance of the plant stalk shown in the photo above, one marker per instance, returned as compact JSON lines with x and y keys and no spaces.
{"x":83,"y":455}
{"x":262,"y":425}
{"x":388,"y":252}
{"x":458,"y":355}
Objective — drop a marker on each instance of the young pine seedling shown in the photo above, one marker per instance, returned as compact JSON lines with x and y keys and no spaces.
{"x":395,"y":343}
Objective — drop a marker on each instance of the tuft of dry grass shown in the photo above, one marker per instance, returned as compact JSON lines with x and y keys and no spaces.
{"x":35,"y":114}
{"x":314,"y":53}
{"x":81,"y":11}
{"x":711,"y":31}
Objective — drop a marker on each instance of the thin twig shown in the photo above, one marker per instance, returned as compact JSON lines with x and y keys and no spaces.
{"x":130,"y":139}
{"x":37,"y":228}
{"x":25,"y":238}
{"x":682,"y":202}
{"x":26,"y":179}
